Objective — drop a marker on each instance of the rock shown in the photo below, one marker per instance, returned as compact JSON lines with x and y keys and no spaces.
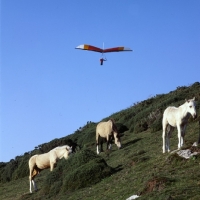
{"x":186,"y":153}
{"x":195,"y":144}
{"x":133,"y":197}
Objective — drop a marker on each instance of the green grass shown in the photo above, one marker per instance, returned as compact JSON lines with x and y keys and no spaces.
{"x":139,"y":167}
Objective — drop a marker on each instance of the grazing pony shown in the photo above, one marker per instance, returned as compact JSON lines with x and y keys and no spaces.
{"x":177,"y":117}
{"x":47,"y":160}
{"x":109,"y":131}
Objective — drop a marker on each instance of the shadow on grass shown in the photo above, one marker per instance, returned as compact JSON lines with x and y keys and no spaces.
{"x":131,"y":142}
{"x":117,"y":169}
{"x":27,"y":195}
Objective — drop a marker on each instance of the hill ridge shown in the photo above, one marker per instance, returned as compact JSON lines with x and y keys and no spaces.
{"x":138,"y":125}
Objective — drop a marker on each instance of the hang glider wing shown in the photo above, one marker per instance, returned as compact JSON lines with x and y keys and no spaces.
{"x":89,"y":48}
{"x":116,"y":49}
{"x":93,"y":48}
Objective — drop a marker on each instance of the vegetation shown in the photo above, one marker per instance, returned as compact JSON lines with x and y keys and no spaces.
{"x":139,"y":167}
{"x":83,"y":169}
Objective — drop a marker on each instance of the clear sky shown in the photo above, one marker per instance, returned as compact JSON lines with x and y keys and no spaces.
{"x":48,"y":89}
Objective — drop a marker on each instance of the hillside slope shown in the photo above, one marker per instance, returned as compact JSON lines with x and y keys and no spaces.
{"x":139,"y":167}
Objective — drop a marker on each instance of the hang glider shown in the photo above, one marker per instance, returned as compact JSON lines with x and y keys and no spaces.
{"x":93,"y":48}
{"x":96,"y":49}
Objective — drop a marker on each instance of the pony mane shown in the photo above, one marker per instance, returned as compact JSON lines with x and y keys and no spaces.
{"x":61,"y":147}
{"x":114,"y":126}
{"x":112,"y":120}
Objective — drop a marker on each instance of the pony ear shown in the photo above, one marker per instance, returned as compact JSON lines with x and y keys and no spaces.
{"x":69,"y":148}
{"x":194,"y":98}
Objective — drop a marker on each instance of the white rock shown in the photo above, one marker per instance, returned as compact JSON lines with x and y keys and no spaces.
{"x":133,"y":197}
{"x":186,"y":153}
{"x":195,"y":144}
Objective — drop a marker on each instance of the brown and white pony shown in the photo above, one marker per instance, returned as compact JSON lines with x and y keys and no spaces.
{"x":109,"y":131}
{"x":47,"y":160}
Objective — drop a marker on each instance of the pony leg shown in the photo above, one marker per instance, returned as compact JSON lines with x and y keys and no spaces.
{"x":109,"y":145}
{"x":30,"y":178}
{"x":52,"y":166}
{"x":179,"y":136}
{"x":164,"y":147}
{"x":182,"y":134}
{"x":164,"y":137}
{"x":97,"y":149}
{"x":97,"y":143}
{"x":101,"y":145}
{"x":30,"y":186}
{"x":34,"y":185}
{"x":168,"y":141}
{"x":33,"y":173}
{"x":169,"y":132}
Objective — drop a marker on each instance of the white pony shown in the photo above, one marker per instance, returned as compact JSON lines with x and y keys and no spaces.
{"x":177,"y":117}
{"x":107,"y":130}
{"x":47,"y":160}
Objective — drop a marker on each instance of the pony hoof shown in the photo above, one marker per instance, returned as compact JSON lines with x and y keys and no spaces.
{"x":164,"y":150}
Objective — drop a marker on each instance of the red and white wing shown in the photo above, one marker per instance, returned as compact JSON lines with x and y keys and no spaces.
{"x":89,"y":48}
{"x":116,"y":49}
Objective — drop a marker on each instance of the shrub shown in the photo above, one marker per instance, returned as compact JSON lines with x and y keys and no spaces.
{"x":86,"y":175}
{"x":7,"y":171}
{"x":82,"y":169}
{"x":121,"y":128}
{"x":140,"y":127}
{"x":156,"y":126}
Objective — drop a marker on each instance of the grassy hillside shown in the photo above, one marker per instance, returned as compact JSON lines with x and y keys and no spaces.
{"x":139,"y":167}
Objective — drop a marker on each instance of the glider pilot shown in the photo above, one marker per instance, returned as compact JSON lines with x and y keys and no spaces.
{"x":101,"y":61}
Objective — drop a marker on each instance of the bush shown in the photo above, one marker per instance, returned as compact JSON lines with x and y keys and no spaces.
{"x":7,"y":171}
{"x":121,"y":128}
{"x":22,"y":169}
{"x":86,"y":175}
{"x":156,"y":126}
{"x":140,"y":127}
{"x":82,"y":169}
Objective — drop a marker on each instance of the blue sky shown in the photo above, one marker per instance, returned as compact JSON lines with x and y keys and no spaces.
{"x":48,"y":89}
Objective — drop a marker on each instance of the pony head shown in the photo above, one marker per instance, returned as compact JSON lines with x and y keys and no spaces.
{"x":116,"y":135}
{"x":118,"y":141}
{"x":191,"y":107}
{"x":68,"y":152}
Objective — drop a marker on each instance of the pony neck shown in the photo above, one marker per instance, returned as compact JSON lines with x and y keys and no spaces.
{"x":115,"y":133}
{"x":60,"y":153}
{"x":184,"y":111}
